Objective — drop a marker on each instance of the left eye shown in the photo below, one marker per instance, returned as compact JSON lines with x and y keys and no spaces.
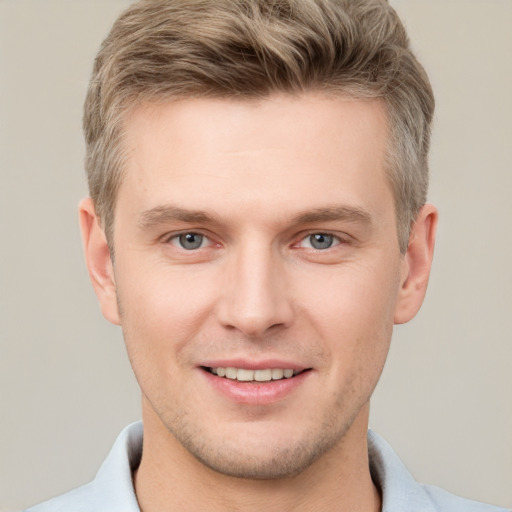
{"x":319,"y":241}
{"x":189,"y":241}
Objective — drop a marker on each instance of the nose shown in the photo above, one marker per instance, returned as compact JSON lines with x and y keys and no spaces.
{"x":255,"y":295}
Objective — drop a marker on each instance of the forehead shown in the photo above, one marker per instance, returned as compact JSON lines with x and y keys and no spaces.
{"x":317,"y":116}
{"x":300,"y":151}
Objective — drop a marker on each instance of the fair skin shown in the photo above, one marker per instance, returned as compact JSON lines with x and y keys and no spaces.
{"x":257,"y":235}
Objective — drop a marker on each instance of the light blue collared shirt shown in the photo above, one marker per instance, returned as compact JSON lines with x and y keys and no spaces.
{"x":112,"y":489}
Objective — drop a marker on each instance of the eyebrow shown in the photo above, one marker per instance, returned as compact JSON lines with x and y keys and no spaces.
{"x":335,"y":213}
{"x":165,"y":214}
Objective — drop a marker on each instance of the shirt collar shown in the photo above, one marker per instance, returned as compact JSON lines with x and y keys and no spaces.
{"x":113,"y":486}
{"x":399,"y":491}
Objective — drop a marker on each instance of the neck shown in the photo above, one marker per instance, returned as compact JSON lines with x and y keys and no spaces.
{"x":170,"y":478}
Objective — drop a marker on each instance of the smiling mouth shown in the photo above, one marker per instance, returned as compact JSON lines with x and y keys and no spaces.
{"x":245,"y":375}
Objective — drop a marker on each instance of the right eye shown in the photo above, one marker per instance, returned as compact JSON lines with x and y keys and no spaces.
{"x":189,"y":241}
{"x":320,"y":241}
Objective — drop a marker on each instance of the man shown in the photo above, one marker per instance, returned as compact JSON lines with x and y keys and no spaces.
{"x":257,"y":224}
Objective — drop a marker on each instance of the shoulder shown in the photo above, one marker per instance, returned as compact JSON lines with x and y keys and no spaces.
{"x":400,"y":491}
{"x":444,"y":501}
{"x":112,"y":489}
{"x":77,"y":500}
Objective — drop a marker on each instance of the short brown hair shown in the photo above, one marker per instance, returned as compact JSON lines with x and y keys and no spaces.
{"x":159,"y":49}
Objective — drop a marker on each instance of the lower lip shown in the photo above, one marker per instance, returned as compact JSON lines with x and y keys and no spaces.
{"x":256,"y":393}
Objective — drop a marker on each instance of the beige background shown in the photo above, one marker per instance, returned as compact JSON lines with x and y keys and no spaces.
{"x":66,"y":389}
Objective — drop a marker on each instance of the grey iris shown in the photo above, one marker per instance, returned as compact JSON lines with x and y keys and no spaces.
{"x":190,"y":241}
{"x":321,"y":241}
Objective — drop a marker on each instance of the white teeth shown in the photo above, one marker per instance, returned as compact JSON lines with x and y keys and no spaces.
{"x":277,"y":374}
{"x":231,"y":373}
{"x":263,"y":375}
{"x":244,"y":375}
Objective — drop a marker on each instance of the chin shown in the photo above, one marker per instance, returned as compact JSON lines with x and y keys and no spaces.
{"x":263,"y":457}
{"x":282,"y":463}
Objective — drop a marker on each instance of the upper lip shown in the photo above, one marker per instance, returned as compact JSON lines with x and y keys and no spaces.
{"x":254,"y":365}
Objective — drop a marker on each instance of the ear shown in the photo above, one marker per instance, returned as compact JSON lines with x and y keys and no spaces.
{"x":416,"y":264}
{"x":98,"y":260}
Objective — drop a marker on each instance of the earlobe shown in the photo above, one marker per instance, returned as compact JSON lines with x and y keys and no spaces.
{"x":98,"y":260}
{"x":416,"y":265}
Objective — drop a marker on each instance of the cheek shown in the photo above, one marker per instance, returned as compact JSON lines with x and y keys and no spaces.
{"x":356,"y":296}
{"x":353,"y":313}
{"x":161,"y":311}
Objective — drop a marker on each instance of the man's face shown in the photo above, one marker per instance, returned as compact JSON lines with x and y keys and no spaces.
{"x":257,"y":239}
